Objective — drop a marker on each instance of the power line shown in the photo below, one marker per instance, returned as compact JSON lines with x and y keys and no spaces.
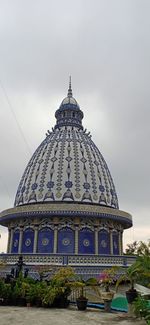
{"x":15,"y":117}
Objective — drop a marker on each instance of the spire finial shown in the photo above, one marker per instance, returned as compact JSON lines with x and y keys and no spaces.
{"x":70,"y":90}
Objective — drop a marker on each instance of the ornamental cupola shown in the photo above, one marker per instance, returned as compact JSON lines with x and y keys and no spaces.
{"x":69,"y":113}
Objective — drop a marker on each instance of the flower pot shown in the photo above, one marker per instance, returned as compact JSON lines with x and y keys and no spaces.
{"x":107,"y":295}
{"x":82,"y":303}
{"x":107,"y":305}
{"x":61,"y":302}
{"x":1,"y":301}
{"x":131,"y":295}
{"x":37,"y":302}
{"x":22,"y":302}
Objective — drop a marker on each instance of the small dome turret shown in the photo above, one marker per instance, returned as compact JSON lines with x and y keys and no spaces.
{"x":69,"y":112}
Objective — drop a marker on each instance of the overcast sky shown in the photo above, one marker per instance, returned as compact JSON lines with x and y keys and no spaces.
{"x":105,"y":46}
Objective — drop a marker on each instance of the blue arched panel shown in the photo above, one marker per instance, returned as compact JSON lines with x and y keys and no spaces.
{"x":15,"y":244}
{"x":28,"y":240}
{"x":103,"y":242}
{"x":86,"y":241}
{"x":45,"y":241}
{"x":115,"y":243}
{"x":66,"y":240}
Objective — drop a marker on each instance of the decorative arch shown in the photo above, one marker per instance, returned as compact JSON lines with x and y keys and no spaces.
{"x":103,"y":242}
{"x":66,"y":238}
{"x":15,"y":244}
{"x":86,"y":244}
{"x":115,"y":239}
{"x":28,"y":240}
{"x":45,"y":240}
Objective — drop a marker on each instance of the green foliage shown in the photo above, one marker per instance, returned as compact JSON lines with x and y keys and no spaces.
{"x":46,"y":293}
{"x":147,"y":316}
{"x":141,"y":309}
{"x":138,"y":248}
{"x":142,"y":251}
{"x":130,"y":274}
{"x":2,"y":288}
{"x":5,"y":290}
{"x":63,"y":280}
{"x":144,"y":276}
{"x":63,"y":275}
{"x":20,"y":287}
{"x":50,"y":295}
{"x":39,"y":293}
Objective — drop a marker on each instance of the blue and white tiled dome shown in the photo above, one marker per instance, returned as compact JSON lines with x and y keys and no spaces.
{"x":66,"y":208}
{"x":67,"y":166}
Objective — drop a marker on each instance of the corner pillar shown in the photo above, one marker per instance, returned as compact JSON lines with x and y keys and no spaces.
{"x":96,"y":241}
{"x":20,"y":240}
{"x":35,"y":240}
{"x":120,"y":243}
{"x":111,"y":242}
{"x":11,"y":240}
{"x":76,"y":239}
{"x":8,"y":242}
{"x":55,"y":239}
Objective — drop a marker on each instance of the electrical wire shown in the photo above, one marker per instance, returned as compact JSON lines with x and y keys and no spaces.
{"x":14,"y":116}
{"x":20,"y":130}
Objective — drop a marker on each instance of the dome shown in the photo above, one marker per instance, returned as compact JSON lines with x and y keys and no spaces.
{"x":66,"y":208}
{"x":69,"y":101}
{"x":67,"y":166}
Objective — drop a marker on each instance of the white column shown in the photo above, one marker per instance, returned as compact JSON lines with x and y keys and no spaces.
{"x":96,"y":241}
{"x":11,"y":239}
{"x":8,"y":243}
{"x":20,"y":240}
{"x":111,"y":242}
{"x":76,"y":240}
{"x":55,"y":239}
{"x":120,"y":243}
{"x":35,"y":239}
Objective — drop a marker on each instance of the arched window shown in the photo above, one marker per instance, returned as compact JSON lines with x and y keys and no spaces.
{"x":15,"y":244}
{"x":28,"y":240}
{"x":45,"y":240}
{"x":66,"y":240}
{"x":115,"y":237}
{"x":86,"y":243}
{"x":103,"y":242}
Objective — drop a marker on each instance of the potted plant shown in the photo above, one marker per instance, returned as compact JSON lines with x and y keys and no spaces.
{"x":106,"y":279}
{"x":20,"y":288}
{"x":81,"y":300}
{"x":80,"y":285}
{"x":31,"y":294}
{"x":49,"y":295}
{"x":60,"y":287}
{"x":130,"y":275}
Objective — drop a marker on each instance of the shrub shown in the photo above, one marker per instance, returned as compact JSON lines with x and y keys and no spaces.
{"x":141,"y":309}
